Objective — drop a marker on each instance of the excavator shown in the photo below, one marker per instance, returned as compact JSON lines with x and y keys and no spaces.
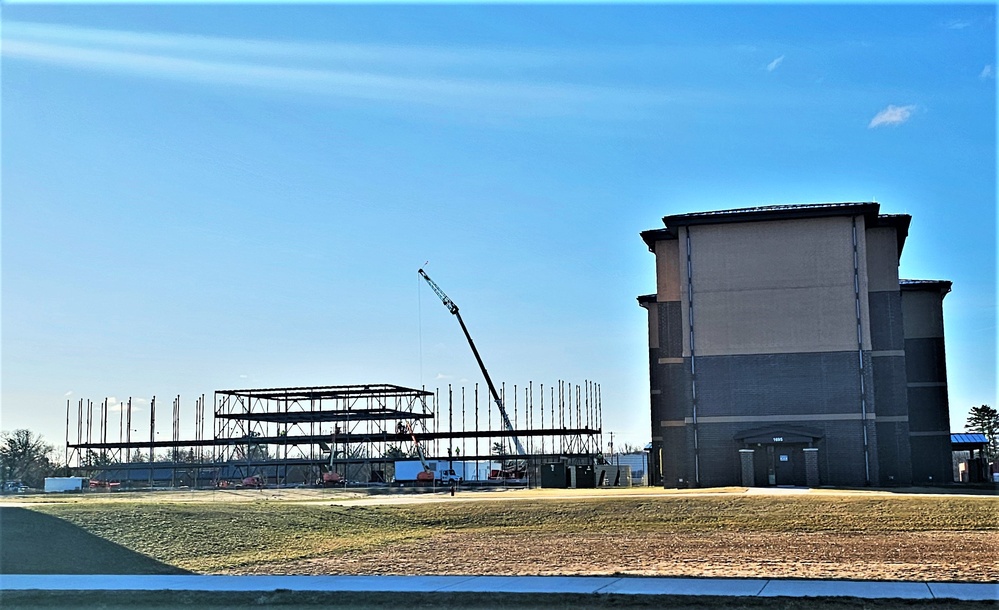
{"x":512,"y":469}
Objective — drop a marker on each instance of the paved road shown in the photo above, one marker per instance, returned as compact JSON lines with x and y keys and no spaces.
{"x":734,"y":587}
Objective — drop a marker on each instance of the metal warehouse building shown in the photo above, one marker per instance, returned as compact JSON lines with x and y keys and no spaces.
{"x":785,"y":350}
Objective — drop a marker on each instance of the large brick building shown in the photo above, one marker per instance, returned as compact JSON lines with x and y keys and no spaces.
{"x":784,"y":349}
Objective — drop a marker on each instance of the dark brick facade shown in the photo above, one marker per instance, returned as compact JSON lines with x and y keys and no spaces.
{"x":874,"y":415}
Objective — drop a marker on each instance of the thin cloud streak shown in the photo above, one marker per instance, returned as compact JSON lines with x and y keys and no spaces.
{"x":775,"y":63}
{"x":517,"y":98}
{"x":957,"y":24}
{"x":187,"y":44}
{"x":891,"y":116}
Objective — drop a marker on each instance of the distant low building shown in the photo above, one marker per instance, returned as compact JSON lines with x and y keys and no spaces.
{"x":785,"y":350}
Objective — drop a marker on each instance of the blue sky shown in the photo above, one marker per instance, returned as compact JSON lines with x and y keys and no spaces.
{"x":215,"y":197}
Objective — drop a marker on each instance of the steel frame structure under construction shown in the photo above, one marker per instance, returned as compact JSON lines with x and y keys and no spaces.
{"x":291,"y":435}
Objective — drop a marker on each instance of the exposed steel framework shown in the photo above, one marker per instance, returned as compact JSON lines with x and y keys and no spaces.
{"x":291,"y":435}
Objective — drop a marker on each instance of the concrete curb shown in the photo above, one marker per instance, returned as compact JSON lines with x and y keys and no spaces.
{"x":727,"y":587}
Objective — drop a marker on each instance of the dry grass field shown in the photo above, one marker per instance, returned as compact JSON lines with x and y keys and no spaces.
{"x":869,"y":535}
{"x":722,"y":533}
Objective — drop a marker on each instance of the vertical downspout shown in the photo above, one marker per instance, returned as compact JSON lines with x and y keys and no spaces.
{"x":693,"y":371}
{"x":860,"y":353}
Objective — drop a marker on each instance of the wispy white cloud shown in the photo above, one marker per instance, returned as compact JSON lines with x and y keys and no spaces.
{"x":987,"y":72}
{"x":775,"y":63}
{"x":69,"y":393}
{"x":461,"y":79}
{"x":892,"y":115}
{"x":202,"y":46}
{"x":957,"y":24}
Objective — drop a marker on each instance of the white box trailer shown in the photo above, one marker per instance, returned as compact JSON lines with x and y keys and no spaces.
{"x":53,"y":484}
{"x":409,"y":470}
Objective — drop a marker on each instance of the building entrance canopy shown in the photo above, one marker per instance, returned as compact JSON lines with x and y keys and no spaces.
{"x":776,"y":435}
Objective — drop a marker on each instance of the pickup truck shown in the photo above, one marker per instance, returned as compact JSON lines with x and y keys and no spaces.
{"x":446,"y":477}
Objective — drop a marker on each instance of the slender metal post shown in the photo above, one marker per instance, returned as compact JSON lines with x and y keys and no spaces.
{"x":67,"y":433}
{"x":152,"y":437}
{"x":542,"y":417}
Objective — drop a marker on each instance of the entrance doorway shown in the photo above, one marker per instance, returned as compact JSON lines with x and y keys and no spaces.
{"x":779,"y":464}
{"x":778,"y":454}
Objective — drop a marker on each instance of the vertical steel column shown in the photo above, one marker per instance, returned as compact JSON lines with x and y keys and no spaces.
{"x":174,"y":436}
{"x":152,"y":437}
{"x":197,"y":436}
{"x":104,"y":431}
{"x":542,"y":417}
{"x":579,"y":410}
{"x":552,"y":402}
{"x":561,"y":415}
{"x":529,"y":405}
{"x":67,"y":433}
{"x":476,"y":430}
{"x":503,"y":400}
{"x":515,"y":426}
{"x":176,"y":418}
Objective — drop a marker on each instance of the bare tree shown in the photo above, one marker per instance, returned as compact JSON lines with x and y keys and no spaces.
{"x":24,"y":457}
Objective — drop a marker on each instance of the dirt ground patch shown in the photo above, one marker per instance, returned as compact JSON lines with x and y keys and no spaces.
{"x":929,"y":556}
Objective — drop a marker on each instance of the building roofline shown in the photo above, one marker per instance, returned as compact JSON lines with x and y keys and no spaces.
{"x":653,"y":235}
{"x":899,"y":222}
{"x":869,"y":209}
{"x":646,"y":299}
{"x":774,"y":212}
{"x":941,"y":286}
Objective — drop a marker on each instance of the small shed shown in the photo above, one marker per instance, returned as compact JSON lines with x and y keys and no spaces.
{"x":974,"y":468}
{"x":555,"y":475}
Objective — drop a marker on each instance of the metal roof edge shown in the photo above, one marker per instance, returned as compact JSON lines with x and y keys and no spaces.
{"x":774,"y":212}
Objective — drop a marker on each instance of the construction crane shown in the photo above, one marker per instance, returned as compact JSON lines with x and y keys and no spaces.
{"x":492,"y":389}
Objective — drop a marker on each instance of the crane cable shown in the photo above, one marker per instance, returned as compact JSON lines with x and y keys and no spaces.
{"x":419,"y":316}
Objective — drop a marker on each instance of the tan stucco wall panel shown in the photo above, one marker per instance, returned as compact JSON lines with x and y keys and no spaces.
{"x":819,"y":319}
{"x":668,"y":277}
{"x":776,"y":287}
{"x":882,"y":259}
{"x":773,"y":254}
